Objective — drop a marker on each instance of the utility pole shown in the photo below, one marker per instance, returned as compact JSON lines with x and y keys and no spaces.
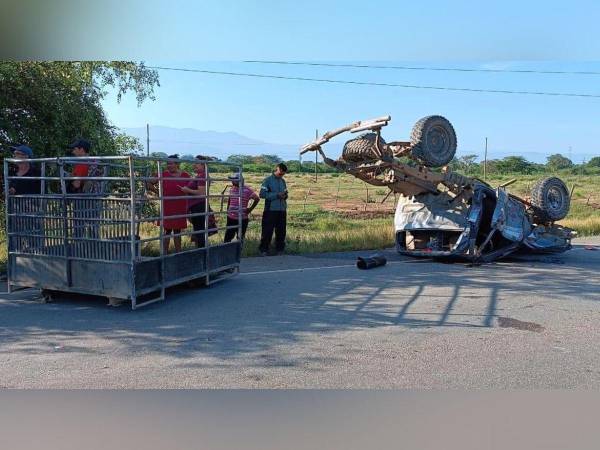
{"x":316,"y":154}
{"x":485,"y":162}
{"x":147,"y":139}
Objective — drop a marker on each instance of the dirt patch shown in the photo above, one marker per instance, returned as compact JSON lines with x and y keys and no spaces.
{"x":360,"y":210}
{"x":593,"y":205}
{"x":365,"y":214}
{"x":507,"y":322}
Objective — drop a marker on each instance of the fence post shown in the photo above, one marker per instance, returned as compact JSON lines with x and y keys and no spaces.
{"x":132,"y":234}
{"x":337,"y":192}
{"x":161,"y":230}
{"x":485,"y":161}
{"x":7,"y":210}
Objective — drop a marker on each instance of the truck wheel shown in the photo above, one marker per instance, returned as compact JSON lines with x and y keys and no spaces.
{"x":433,"y":141}
{"x":362,"y":148}
{"x":550,"y":197}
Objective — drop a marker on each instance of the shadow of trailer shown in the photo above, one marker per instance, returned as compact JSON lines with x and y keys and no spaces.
{"x":106,"y":240}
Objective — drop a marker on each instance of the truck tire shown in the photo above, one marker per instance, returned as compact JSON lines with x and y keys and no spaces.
{"x":362,"y":148}
{"x":433,"y":141}
{"x":551,"y":199}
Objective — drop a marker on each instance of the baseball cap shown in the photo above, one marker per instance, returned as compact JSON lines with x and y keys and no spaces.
{"x":236,"y":177}
{"x":81,"y":143}
{"x":23,"y":149}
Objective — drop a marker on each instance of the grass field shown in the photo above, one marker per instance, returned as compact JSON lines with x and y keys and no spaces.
{"x":339,"y":212}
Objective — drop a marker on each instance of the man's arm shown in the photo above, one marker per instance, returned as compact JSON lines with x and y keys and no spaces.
{"x":200,"y":191}
{"x":152,"y":185}
{"x":265,"y":191}
{"x":254,"y":200}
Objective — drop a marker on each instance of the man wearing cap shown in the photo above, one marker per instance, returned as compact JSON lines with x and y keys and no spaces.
{"x":84,"y":207}
{"x":233,"y":207}
{"x":81,"y":149}
{"x":24,"y":186}
{"x":28,"y":207}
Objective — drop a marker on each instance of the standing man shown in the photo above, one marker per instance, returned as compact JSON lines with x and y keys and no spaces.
{"x":274,"y":191}
{"x":85,"y":207}
{"x":81,"y":149}
{"x":197,"y":204}
{"x":25,"y":208}
{"x":233,"y":207}
{"x":24,"y":186}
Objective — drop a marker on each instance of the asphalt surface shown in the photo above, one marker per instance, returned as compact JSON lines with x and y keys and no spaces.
{"x":317,"y":321}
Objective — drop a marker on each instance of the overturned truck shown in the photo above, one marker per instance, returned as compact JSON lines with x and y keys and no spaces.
{"x":443,"y":214}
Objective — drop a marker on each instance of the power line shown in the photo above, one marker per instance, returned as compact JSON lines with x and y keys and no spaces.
{"x":370,"y":83}
{"x":443,"y":69}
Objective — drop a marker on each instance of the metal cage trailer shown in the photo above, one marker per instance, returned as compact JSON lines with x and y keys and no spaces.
{"x":108,"y":239}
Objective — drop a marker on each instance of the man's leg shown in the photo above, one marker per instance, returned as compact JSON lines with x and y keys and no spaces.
{"x":198,"y":223}
{"x":95,"y":226}
{"x":78,"y":222}
{"x":166,"y":240}
{"x":244,"y":228}
{"x":230,"y":232}
{"x":280,"y":231}
{"x":177,"y":241}
{"x":266,"y":234}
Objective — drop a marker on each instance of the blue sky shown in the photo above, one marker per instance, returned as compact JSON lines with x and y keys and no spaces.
{"x":513,"y":35}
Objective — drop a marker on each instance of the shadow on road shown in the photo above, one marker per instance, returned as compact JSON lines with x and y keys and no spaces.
{"x":256,"y":313}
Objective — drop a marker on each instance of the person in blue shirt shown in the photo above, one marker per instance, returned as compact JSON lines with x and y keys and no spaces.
{"x":274,"y":191}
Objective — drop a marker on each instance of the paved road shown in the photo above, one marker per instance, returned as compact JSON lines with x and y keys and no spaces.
{"x":316,"y":321}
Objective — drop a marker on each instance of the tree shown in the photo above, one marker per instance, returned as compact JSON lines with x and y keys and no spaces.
{"x":240,"y":159}
{"x":594,"y":162}
{"x":464,"y":163}
{"x":467,"y":161}
{"x":558,"y":161}
{"x":268,"y":159}
{"x":512,"y":164}
{"x":48,"y":104}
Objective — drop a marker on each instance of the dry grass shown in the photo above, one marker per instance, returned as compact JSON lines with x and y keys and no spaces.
{"x":589,"y":226}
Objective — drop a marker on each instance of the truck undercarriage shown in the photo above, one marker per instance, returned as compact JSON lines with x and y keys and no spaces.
{"x":444,"y":214}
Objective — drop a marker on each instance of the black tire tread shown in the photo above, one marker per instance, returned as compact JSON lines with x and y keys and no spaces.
{"x":539,"y":199}
{"x":420,"y":152}
{"x":361,"y":148}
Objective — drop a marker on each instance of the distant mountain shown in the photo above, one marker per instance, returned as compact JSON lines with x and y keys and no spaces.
{"x":189,"y":141}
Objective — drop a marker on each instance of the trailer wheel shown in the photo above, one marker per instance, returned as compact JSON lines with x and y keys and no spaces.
{"x":433,"y":141}
{"x":47,"y":296}
{"x":362,"y":148}
{"x":551,"y":199}
{"x":116,"y":302}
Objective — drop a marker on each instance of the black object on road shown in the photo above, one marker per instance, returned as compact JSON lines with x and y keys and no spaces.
{"x":370,"y":262}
